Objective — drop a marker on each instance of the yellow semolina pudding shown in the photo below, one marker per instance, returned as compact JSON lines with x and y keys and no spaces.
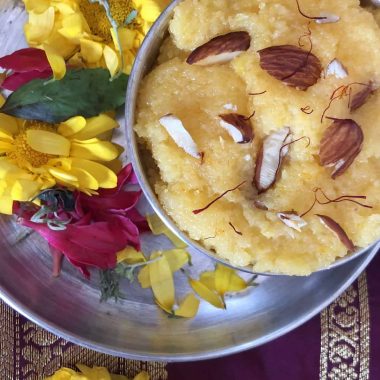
{"x":237,"y":227}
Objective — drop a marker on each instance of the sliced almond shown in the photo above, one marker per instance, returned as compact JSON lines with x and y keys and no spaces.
{"x":361,"y":97}
{"x":220,"y":49}
{"x":292,"y":220}
{"x":340,"y":144}
{"x":338,"y":230}
{"x":327,"y":18}
{"x":269,"y":159}
{"x":292,"y":65}
{"x":180,"y":135}
{"x":260,"y":205}
{"x":336,"y":68}
{"x":238,"y":127}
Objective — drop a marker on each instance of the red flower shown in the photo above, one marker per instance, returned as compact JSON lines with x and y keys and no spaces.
{"x":101,"y":226}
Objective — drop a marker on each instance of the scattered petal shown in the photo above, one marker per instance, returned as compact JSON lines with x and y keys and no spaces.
{"x":188,"y":308}
{"x":205,"y":293}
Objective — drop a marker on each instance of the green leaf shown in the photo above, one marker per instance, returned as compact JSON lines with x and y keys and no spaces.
{"x":84,"y":92}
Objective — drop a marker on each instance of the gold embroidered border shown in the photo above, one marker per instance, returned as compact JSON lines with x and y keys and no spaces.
{"x":345,"y":335}
{"x":28,"y":352}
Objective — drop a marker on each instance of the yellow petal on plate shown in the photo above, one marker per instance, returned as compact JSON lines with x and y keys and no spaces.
{"x":85,"y":179}
{"x":112,"y":60}
{"x":144,"y":278}
{"x":177,"y":258}
{"x":72,"y":126}
{"x":95,"y":373}
{"x":48,"y":142}
{"x":95,"y":150}
{"x":222,"y":279}
{"x":106,"y":178}
{"x":6,"y":146}
{"x":127,"y":38}
{"x":8,"y":124}
{"x":23,"y":190}
{"x":205,"y":293}
{"x":40,"y":25}
{"x":91,"y":51}
{"x":162,"y":283}
{"x":237,"y":283}
{"x":150,"y":10}
{"x":188,"y":307}
{"x":142,"y":376}
{"x":38,"y":6}
{"x":64,"y":176}
{"x":57,"y":62}
{"x":208,"y":279}
{"x":129,"y":255}
{"x":6,"y":205}
{"x":159,"y":228}
{"x":96,"y":126}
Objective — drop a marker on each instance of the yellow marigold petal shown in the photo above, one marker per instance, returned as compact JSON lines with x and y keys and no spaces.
{"x":150,"y":11}
{"x":8,"y":124}
{"x":95,"y":150}
{"x":48,"y":142}
{"x":66,"y":7}
{"x":177,"y":258}
{"x":7,"y":145}
{"x":205,"y":293}
{"x":65,"y":374}
{"x":23,"y":190}
{"x":161,"y":279}
{"x":144,"y":278}
{"x":57,"y":63}
{"x":96,"y":126}
{"x":6,"y":205}
{"x":188,"y":307}
{"x":158,"y":227}
{"x":237,"y":283}
{"x":91,"y":51}
{"x":85,"y":179}
{"x":65,"y":47}
{"x":95,"y":373}
{"x":106,"y":178}
{"x":72,"y":126}
{"x":208,"y":279}
{"x":126,"y":36}
{"x":72,"y":27}
{"x":112,"y":60}
{"x":38,"y":6}
{"x":40,"y":26}
{"x":129,"y":255}
{"x":222,"y":278}
{"x":142,"y":376}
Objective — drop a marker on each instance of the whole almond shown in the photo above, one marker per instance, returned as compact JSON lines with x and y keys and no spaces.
{"x":291,"y":65}
{"x":340,"y":145}
{"x":220,"y":49}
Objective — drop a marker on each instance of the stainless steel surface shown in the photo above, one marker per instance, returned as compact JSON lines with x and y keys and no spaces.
{"x":134,"y":327}
{"x":144,"y":61}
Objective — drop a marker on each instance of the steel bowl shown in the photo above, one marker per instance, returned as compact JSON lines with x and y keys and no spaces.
{"x":134,"y":327}
{"x":145,"y":60}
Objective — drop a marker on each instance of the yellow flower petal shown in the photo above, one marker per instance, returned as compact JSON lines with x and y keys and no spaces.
{"x":66,"y":374}
{"x":95,"y":150}
{"x":142,"y":376}
{"x":129,"y":255}
{"x":85,"y":179}
{"x":158,"y":227}
{"x":64,"y":176}
{"x":72,"y":126}
{"x":112,"y":60}
{"x":95,"y":373}
{"x":144,"y":278}
{"x":40,"y":26}
{"x":237,"y":284}
{"x":23,"y":190}
{"x":162,"y":283}
{"x":48,"y":142}
{"x":38,"y":6}
{"x":91,"y":51}
{"x":57,"y":63}
{"x":6,"y":146}
{"x":208,"y":279}
{"x":106,"y":178}
{"x":188,"y":307}
{"x":72,"y":27}
{"x":8,"y":124}
{"x":177,"y":258}
{"x":95,"y":126}
{"x":127,"y":38}
{"x":205,"y":293}
{"x":222,"y":278}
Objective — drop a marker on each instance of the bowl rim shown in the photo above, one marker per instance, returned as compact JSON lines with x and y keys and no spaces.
{"x":139,"y":70}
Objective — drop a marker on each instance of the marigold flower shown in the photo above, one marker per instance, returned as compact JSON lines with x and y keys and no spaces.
{"x":80,"y":32}
{"x":36,"y":156}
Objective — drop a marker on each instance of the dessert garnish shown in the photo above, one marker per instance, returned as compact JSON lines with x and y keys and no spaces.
{"x":307,"y":109}
{"x":238,"y":127}
{"x":324,"y":18}
{"x":292,"y":220}
{"x":235,"y":230}
{"x":336,"y":68}
{"x":362,"y":96}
